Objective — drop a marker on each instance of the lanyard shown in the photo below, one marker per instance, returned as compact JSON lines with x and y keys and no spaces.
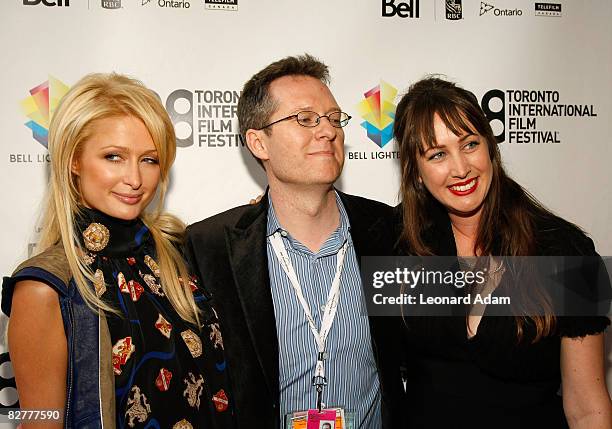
{"x":329,"y":311}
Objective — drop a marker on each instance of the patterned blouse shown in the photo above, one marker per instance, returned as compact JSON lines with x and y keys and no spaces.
{"x":168,"y":373}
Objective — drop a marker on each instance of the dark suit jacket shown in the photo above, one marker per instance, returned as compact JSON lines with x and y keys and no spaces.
{"x":228,"y":252}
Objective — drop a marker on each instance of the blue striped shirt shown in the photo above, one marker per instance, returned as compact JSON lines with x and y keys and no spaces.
{"x":350,"y":367}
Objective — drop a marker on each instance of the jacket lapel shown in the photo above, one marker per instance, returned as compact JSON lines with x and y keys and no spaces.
{"x":372,"y":236}
{"x":248,"y":257}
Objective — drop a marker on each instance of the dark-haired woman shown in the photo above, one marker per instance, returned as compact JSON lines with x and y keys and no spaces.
{"x":474,"y":370}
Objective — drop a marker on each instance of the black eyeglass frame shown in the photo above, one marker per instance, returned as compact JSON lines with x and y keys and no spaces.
{"x":318,"y":121}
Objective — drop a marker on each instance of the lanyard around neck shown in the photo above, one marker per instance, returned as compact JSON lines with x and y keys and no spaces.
{"x":331,"y":305}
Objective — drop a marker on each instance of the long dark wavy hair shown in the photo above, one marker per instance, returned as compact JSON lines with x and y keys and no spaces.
{"x":507,"y":225}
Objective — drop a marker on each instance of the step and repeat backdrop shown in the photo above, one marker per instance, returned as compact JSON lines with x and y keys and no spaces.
{"x":541,"y":69}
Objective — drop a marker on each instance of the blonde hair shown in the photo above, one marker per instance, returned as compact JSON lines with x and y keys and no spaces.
{"x":95,"y":97}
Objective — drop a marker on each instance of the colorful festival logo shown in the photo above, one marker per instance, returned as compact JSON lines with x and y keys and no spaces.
{"x":378,"y":111}
{"x":41,"y":105}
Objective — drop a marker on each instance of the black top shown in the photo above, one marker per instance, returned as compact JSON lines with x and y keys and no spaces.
{"x":168,"y":374}
{"x":490,"y":380}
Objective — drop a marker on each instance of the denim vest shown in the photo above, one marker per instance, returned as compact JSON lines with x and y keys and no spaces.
{"x":86,"y":332}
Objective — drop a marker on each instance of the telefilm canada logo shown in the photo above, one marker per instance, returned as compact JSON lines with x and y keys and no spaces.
{"x":46,"y":2}
{"x":548,"y":9}
{"x":403,"y":9}
{"x":111,"y":4}
{"x":378,"y":112}
{"x":221,"y":4}
{"x":172,"y":4}
{"x":205,"y":117}
{"x":492,"y":10}
{"x":519,"y":114}
{"x":39,"y":108}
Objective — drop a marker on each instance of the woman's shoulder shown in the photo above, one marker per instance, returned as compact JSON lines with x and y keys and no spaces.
{"x":557,"y":236}
{"x":52,"y":260}
{"x":49,"y":267}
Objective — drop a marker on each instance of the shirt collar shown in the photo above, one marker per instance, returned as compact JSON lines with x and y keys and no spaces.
{"x":342,"y":233}
{"x":273,"y":223}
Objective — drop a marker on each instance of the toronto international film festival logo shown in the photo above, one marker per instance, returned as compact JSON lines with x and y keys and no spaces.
{"x":532,"y":115}
{"x":205,"y":116}
{"x":40,"y":106}
{"x":378,"y":111}
{"x":8,"y":388}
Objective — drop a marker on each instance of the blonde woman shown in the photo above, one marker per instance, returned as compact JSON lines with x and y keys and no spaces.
{"x":106,"y":324}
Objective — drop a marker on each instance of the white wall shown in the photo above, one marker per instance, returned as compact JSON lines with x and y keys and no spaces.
{"x":200,"y":49}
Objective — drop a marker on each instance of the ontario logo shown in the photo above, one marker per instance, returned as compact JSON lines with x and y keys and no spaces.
{"x":41,"y":105}
{"x":378,"y":111}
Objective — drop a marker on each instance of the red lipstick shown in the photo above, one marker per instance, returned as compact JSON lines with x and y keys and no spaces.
{"x":467,"y":187}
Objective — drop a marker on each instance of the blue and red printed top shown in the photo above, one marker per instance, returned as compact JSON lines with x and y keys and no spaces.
{"x":168,"y":373}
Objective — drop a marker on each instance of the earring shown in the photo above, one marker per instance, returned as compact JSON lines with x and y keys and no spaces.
{"x":419,"y":185}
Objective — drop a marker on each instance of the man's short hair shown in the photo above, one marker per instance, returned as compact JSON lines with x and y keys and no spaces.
{"x":256,"y":105}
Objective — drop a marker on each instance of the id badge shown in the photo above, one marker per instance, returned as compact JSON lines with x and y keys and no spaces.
{"x":330,"y":418}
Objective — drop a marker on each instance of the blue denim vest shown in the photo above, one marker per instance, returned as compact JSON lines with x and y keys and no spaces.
{"x":82,"y":328}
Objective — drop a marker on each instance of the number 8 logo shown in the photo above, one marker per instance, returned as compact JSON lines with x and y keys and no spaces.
{"x":499,"y":115}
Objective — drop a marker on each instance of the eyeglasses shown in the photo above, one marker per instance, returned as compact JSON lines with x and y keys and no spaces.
{"x":310,"y":119}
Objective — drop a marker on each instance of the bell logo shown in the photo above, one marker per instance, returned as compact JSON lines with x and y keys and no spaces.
{"x":46,"y":2}
{"x":403,"y":9}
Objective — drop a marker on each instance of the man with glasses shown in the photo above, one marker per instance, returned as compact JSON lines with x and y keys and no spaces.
{"x":284,"y":273}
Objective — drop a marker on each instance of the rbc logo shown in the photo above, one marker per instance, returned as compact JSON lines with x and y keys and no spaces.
{"x":403,"y":9}
{"x":46,"y":2}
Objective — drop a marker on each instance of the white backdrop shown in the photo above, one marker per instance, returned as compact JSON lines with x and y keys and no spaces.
{"x":210,"y":46}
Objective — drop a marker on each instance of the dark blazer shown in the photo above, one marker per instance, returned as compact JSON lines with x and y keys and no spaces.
{"x":228,"y":252}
